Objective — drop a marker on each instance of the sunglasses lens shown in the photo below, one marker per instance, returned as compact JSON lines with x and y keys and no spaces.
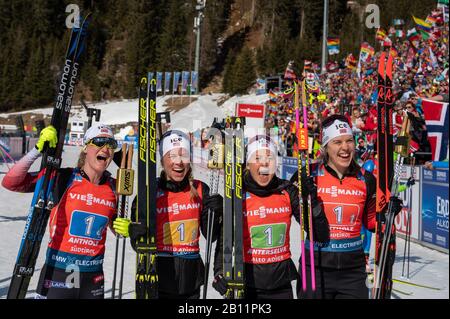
{"x":102,"y":141}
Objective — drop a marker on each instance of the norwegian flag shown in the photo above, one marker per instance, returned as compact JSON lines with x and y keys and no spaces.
{"x":437,"y":121}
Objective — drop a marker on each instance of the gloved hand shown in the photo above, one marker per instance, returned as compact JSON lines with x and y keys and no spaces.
{"x":411,"y":181}
{"x":220,"y":284}
{"x":121,"y":226}
{"x":397,"y":205}
{"x":49,"y":135}
{"x":215,"y":203}
{"x":309,"y":188}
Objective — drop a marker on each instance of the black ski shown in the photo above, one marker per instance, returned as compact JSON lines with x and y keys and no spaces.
{"x":233,"y":212}
{"x":43,"y":198}
{"x":146,"y":274}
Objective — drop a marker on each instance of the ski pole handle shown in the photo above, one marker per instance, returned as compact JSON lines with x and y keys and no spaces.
{"x":124,"y":157}
{"x":130,"y":156}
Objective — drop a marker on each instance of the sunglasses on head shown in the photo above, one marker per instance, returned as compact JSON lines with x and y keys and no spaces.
{"x":101,"y":142}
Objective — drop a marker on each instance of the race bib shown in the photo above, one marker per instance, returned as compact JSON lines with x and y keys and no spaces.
{"x":342,"y":214}
{"x":87,"y":225}
{"x":268,"y":236}
{"x":182,"y":232}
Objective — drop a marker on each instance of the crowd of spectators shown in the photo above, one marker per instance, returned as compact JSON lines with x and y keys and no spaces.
{"x":420,"y":71}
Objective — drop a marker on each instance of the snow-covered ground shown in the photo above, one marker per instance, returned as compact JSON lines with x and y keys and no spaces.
{"x":427,"y":266}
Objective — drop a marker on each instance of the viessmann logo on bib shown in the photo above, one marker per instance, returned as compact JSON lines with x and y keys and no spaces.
{"x":90,"y":200}
{"x":335,"y":192}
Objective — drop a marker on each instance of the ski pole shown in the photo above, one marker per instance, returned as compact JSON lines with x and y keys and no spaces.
{"x":210,"y":224}
{"x":306,"y":164}
{"x":120,"y":212}
{"x":413,"y":168}
{"x":215,"y":164}
{"x":125,"y":212}
{"x":300,"y":197}
{"x":124,"y":186}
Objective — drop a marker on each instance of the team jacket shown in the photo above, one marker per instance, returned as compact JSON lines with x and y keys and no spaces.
{"x":78,"y":224}
{"x":267,"y":219}
{"x":348,"y":203}
{"x":79,"y":220}
{"x":179,"y":221}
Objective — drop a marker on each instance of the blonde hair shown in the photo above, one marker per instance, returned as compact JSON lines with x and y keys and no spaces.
{"x":81,"y":159}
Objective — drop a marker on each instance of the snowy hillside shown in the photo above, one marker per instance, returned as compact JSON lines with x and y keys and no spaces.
{"x":199,"y":113}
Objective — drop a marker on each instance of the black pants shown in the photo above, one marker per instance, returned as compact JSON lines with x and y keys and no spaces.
{"x":335,"y":284}
{"x":281,"y":293}
{"x":55,"y":283}
{"x":194,"y":295}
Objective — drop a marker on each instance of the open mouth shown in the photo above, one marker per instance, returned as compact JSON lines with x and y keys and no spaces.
{"x":101,"y":158}
{"x":344,"y":156}
{"x":178,"y":170}
{"x":264,"y":171}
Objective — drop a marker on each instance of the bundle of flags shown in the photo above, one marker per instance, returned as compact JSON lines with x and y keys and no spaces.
{"x":424,"y":27}
{"x":333,"y":45}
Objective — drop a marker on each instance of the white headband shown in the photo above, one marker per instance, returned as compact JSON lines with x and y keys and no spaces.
{"x":174,"y":139}
{"x":96,"y":130}
{"x":338,"y":128}
{"x":260,"y":142}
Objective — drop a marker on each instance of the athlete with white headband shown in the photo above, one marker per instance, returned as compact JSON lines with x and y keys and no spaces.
{"x":182,"y":212}
{"x":269,"y":204}
{"x":76,"y":248}
{"x":348,"y":194}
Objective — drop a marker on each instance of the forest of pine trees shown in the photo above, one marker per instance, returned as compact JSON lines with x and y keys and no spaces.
{"x":129,"y":38}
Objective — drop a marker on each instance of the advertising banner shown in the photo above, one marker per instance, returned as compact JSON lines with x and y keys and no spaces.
{"x":435,"y":207}
{"x":167,"y":78}
{"x":159,"y":76}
